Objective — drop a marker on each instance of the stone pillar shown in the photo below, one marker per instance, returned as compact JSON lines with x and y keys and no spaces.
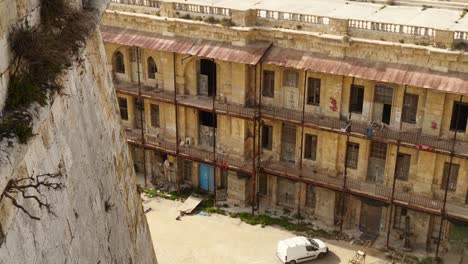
{"x":339,"y":26}
{"x":444,"y":38}
{"x":244,"y":18}
{"x":168,"y":9}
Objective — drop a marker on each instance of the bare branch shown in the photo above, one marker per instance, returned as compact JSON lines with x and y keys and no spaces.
{"x":29,"y":187}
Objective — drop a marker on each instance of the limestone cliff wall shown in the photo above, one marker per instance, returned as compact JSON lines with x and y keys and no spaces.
{"x":80,"y":135}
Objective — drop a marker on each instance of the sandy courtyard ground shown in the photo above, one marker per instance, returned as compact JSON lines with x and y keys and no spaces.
{"x":222,"y":240}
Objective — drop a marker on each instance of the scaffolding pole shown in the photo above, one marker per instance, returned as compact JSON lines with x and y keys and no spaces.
{"x":302,"y":140}
{"x":443,"y":215}
{"x":345,"y":176}
{"x":389,"y":227}
{"x":176,"y":123}
{"x":254,"y":173}
{"x":140,"y":98}
{"x":258,"y":118}
{"x":215,"y":120}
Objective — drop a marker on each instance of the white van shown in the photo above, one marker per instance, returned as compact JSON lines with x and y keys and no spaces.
{"x":300,"y":249}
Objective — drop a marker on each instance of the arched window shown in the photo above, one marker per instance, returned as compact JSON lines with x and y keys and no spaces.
{"x":119,"y":62}
{"x":152,"y":69}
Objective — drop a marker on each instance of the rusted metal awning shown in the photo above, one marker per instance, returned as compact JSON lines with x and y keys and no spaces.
{"x":148,"y":40}
{"x":454,"y":82}
{"x":246,"y":54}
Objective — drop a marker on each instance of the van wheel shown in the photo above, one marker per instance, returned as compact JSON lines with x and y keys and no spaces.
{"x":320,"y":255}
{"x":292,"y":262}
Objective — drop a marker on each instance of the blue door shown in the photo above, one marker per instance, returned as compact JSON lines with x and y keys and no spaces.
{"x":206,"y":175}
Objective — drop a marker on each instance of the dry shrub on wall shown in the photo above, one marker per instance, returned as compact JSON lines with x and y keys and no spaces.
{"x":42,"y":54}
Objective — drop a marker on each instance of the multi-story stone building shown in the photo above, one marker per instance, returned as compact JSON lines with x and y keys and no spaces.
{"x":352,"y":113}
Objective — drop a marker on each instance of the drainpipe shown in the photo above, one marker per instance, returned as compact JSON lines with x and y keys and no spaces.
{"x":443,"y":212}
{"x":302,"y":139}
{"x":345,"y":176}
{"x":389,"y":227}
{"x":141,"y":112}
{"x":176,"y":123}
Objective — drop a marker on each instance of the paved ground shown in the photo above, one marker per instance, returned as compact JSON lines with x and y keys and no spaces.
{"x":221,"y":239}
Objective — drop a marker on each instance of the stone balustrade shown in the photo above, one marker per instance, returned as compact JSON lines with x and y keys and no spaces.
{"x":305,"y":22}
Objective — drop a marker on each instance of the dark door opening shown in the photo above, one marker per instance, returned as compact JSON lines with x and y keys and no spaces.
{"x":207,"y":126}
{"x":207,"y":78}
{"x":387,"y":112}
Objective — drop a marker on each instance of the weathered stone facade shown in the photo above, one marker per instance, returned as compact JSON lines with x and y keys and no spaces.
{"x":98,"y":216}
{"x":270,"y":126}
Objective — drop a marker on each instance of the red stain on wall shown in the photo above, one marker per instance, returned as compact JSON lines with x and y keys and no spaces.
{"x":333,"y":104}
{"x":434,"y":125}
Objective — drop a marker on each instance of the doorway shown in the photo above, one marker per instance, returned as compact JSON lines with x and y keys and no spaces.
{"x":288,"y":144}
{"x":370,"y":218}
{"x":206,"y":176}
{"x":206,"y":77}
{"x":382,"y":104}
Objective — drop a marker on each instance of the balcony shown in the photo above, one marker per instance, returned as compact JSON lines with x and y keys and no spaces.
{"x":148,"y":92}
{"x":362,"y":188}
{"x":234,"y":162}
{"x":233,"y":109}
{"x":196,"y":101}
{"x":283,"y":114}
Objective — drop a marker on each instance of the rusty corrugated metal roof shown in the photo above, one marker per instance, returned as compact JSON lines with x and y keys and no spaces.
{"x":454,"y":82}
{"x":247,"y":54}
{"x":148,"y":40}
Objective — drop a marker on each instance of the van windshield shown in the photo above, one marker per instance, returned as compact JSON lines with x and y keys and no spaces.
{"x":313,"y":243}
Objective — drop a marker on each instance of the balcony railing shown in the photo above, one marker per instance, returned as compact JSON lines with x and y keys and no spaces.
{"x":281,"y":113}
{"x":357,"y":186}
{"x":234,"y":109}
{"x":196,"y":101}
{"x":149,"y":92}
{"x":335,"y":182}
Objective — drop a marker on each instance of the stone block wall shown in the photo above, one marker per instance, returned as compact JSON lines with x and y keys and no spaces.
{"x":80,"y":135}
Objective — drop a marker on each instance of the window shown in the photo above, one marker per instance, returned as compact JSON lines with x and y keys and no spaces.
{"x":123,"y":108}
{"x":378,"y":150}
{"x":311,"y":248}
{"x":352,"y":155}
{"x":357,"y":98}
{"x":310,"y":149}
{"x":403,"y":166}
{"x":152,"y":70}
{"x":383,"y":94}
{"x":263,"y":184}
{"x":310,"y":196}
{"x":268,"y":84}
{"x":154,"y":115}
{"x":400,"y":218}
{"x":466,"y":196}
{"x":119,"y":62}
{"x":459,"y":116}
{"x":313,"y":94}
{"x":453,"y":176}
{"x":410,"y":108}
{"x":267,"y":135}
{"x":290,"y":78}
